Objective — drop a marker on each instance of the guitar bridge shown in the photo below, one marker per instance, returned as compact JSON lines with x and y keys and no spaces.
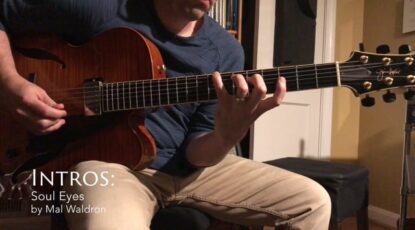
{"x":92,"y":97}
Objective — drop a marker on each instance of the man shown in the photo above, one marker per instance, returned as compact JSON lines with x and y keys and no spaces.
{"x":192,"y":167}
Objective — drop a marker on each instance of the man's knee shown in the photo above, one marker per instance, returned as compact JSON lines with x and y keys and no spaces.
{"x":126,"y":202}
{"x":319,"y":197}
{"x":92,"y":174}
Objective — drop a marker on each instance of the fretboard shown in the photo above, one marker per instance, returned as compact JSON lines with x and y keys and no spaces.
{"x":140,"y":94}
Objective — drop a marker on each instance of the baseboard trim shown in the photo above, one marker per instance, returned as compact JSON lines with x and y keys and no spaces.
{"x":383,"y":217}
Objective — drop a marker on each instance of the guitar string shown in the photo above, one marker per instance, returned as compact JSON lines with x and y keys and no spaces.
{"x":158,"y":102}
{"x":96,"y":98}
{"x":267,"y":78}
{"x":202,"y":93}
{"x":164,"y":85}
{"x":283,"y":68}
{"x":152,"y":100}
{"x":128,"y":103}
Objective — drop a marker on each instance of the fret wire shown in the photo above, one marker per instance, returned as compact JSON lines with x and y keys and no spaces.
{"x":158,"y":82}
{"x":168,"y":91}
{"x":197,"y":88}
{"x":151,"y":93}
{"x":316,"y":75}
{"x":129,"y":92}
{"x":187,"y":92}
{"x":101,"y":93}
{"x":207,"y":81}
{"x":117,"y":103}
{"x":177,"y":91}
{"x":100,"y":97}
{"x":296,"y":75}
{"x":108,"y":95}
{"x":136,"y":94}
{"x":112,"y":96}
{"x":118,"y":95}
{"x":123,"y":92}
{"x":144,"y":98}
{"x":108,"y":102}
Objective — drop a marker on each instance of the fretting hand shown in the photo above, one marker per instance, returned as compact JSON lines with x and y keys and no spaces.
{"x":236,"y":113}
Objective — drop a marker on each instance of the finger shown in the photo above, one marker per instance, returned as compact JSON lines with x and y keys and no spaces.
{"x":276,"y":100}
{"x":45,"y":109}
{"x":259,"y":91}
{"x":219,"y":87}
{"x":53,"y":128}
{"x":280,"y":90}
{"x":241,"y":86}
{"x":49,"y":101}
{"x":33,"y":122}
{"x":59,"y":106}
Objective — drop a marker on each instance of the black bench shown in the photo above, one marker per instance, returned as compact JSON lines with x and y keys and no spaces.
{"x":347,"y":185}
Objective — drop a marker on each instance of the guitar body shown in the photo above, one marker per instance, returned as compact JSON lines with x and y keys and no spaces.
{"x":62,"y":69}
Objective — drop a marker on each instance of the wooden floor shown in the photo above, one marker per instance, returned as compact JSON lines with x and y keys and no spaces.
{"x":350,"y":224}
{"x":43,"y":223}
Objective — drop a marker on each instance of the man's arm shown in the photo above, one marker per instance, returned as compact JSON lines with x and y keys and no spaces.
{"x":25,"y":101}
{"x":7,"y":67}
{"x":233,"y":118}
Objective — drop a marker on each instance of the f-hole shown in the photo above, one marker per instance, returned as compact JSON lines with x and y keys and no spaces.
{"x":40,"y":54}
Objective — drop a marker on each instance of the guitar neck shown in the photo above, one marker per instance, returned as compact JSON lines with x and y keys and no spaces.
{"x":121,"y":96}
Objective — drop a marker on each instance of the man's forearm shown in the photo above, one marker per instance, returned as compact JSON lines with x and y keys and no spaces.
{"x":8,"y":72}
{"x":7,"y":66}
{"x":207,"y":149}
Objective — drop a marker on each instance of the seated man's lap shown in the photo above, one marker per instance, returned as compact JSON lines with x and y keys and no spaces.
{"x":235,"y":190}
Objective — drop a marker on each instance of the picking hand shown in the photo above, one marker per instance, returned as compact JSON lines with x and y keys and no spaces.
{"x":32,"y":107}
{"x":235,"y":114}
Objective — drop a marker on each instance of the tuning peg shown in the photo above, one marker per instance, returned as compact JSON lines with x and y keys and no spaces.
{"x":383,"y":49}
{"x":389,"y":97}
{"x":409,"y":95}
{"x":405,"y":49}
{"x":368,"y":101}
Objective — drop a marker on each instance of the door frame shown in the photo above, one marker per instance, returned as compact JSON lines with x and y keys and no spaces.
{"x":324,"y":52}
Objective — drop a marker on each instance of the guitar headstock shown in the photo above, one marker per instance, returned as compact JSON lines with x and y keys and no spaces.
{"x":366,"y":72}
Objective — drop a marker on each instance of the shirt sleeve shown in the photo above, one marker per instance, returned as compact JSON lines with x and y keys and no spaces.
{"x":19,"y":16}
{"x":74,"y":20}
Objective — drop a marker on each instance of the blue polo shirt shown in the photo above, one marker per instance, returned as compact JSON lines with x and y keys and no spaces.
{"x":211,"y":49}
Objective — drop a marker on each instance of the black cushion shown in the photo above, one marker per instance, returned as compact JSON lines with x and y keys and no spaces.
{"x":347,"y":184}
{"x":180,"y":218}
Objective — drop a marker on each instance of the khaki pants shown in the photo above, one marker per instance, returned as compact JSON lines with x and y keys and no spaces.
{"x":235,"y":190}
